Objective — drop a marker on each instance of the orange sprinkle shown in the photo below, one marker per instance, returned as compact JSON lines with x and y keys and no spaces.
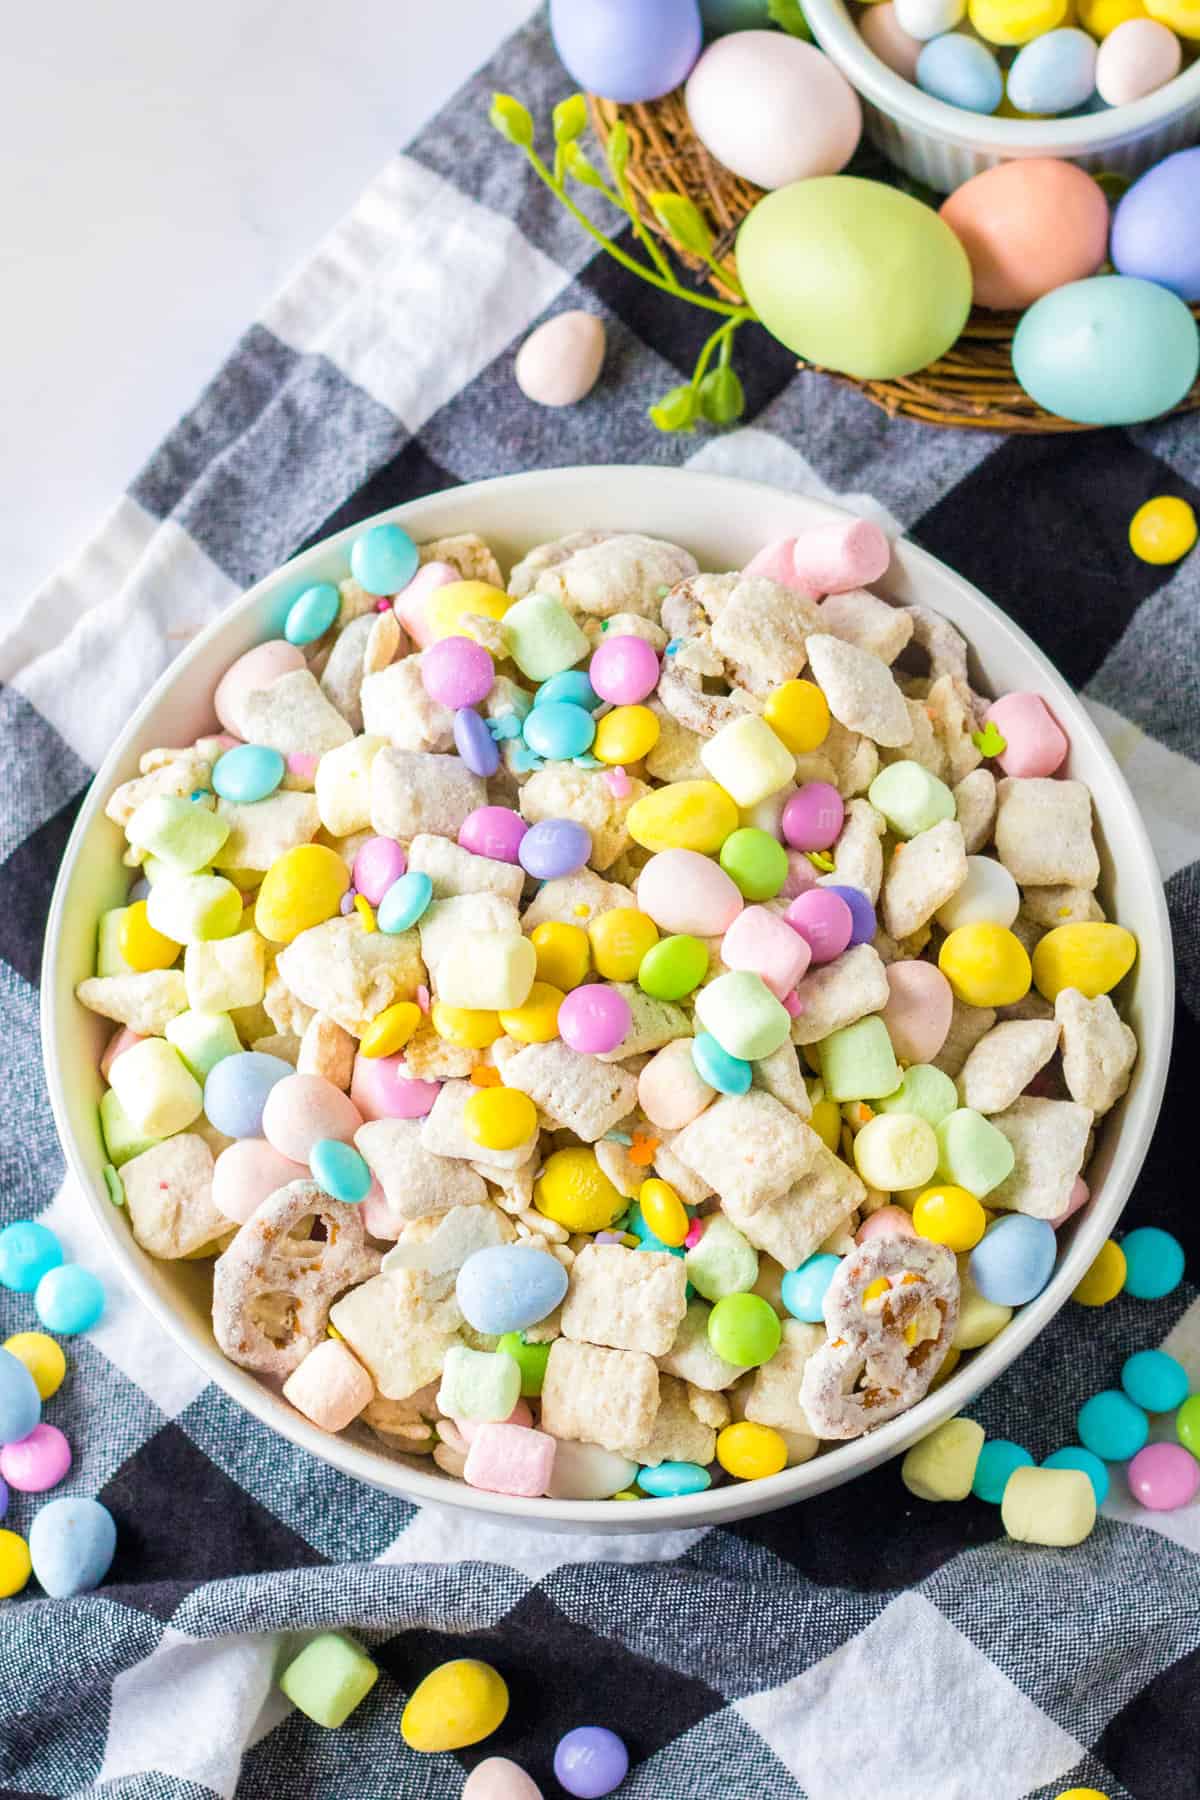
{"x":483,"y":1075}
{"x":641,"y":1151}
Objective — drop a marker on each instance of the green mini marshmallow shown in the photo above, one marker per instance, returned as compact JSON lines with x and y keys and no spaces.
{"x":542,"y":637}
{"x":858,"y":1062}
{"x":109,"y":960}
{"x":910,"y":798}
{"x":183,"y":833}
{"x":924,"y":1090}
{"x":723,"y":1262}
{"x":203,"y":1039}
{"x":972,"y":1153}
{"x":192,"y":909}
{"x":744,"y":1016}
{"x":329,"y":1678}
{"x":122,"y":1139}
{"x":479,"y":1384}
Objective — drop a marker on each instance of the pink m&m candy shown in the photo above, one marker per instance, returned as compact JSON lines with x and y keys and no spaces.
{"x":594,"y":1018}
{"x":812,"y":818}
{"x":411,"y":604}
{"x":40,"y":1461}
{"x":380,"y":1089}
{"x":246,"y":1172}
{"x":379,"y":862}
{"x":1036,"y":743}
{"x":1161,"y":1476}
{"x":919,"y":1009}
{"x":823,"y":920}
{"x":889,"y":1221}
{"x":456,"y":671}
{"x":301,"y":1110}
{"x":494,"y":831}
{"x":624,"y":670}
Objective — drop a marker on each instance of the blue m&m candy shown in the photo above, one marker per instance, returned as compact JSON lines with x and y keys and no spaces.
{"x":405,"y":902}
{"x":1153,"y":1263}
{"x":802,"y":1290}
{"x":558,"y":730}
{"x":728,"y":1074}
{"x":997,"y":1460}
{"x":339,"y":1170}
{"x":311,"y":614}
{"x":666,"y":1482}
{"x":27,"y":1251}
{"x":571,"y":685}
{"x":1155,"y":1381}
{"x":1111,"y":1426}
{"x":69,"y":1299}
{"x":1087,"y":1462}
{"x":384,"y":559}
{"x":248,"y":773}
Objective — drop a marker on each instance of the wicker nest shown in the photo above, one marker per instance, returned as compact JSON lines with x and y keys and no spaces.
{"x":972,"y":386}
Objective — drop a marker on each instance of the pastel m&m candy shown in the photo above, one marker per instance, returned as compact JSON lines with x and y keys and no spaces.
{"x":624,"y":669}
{"x":594,"y":1019}
{"x":27,"y":1250}
{"x":311,"y":614}
{"x":384,"y":559}
{"x":36,"y":1462}
{"x":69,"y":1299}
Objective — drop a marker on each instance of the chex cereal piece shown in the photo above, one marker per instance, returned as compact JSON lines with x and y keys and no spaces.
{"x":1053,"y":906}
{"x":577,"y":1091}
{"x":772,"y":1394}
{"x":330,"y":1386}
{"x":625,"y":1174}
{"x":1044,"y":832}
{"x":343,"y":786}
{"x":605,"y":1397}
{"x":146,"y":1003}
{"x":446,"y":920}
{"x":1003,"y":1063}
{"x":780,"y":1076}
{"x":1049,"y":1140}
{"x":455,"y":871}
{"x":527,"y":574}
{"x":574,"y":900}
{"x":353,"y":603}
{"x":261,"y":832}
{"x":653,"y":1023}
{"x":385,"y":642}
{"x":273,"y":1287}
{"x":286,"y":1011}
{"x":922,"y":875}
{"x":760,"y":629}
{"x":174,"y":773}
{"x":440,"y":1243}
{"x":406,"y":1425}
{"x":792,"y":1225}
{"x":1099,"y":1049}
{"x":561,"y":791}
{"x":511,"y":1189}
{"x":967,"y":1025}
{"x":468,"y":553}
{"x":341,"y":678}
{"x":747,"y":1147}
{"x":444,"y":1135}
{"x":676,"y":755}
{"x":283,"y":1044}
{"x":948,"y":704}
{"x":860,"y":689}
{"x":398,"y":1330}
{"x":396,"y":706}
{"x":975,"y":801}
{"x":414,"y":1180}
{"x":351,"y":974}
{"x":862,"y":618}
{"x":692,"y":1356}
{"x":294,"y":717}
{"x":225,"y":972}
{"x":691,"y":1187}
{"x":924,"y":746}
{"x":858,"y":853}
{"x":626,"y":1299}
{"x":327,"y":1049}
{"x":840,"y":993}
{"x":428,"y":1057}
{"x":168,"y":1190}
{"x":680,"y":1433}
{"x":413,"y":791}
{"x":623,"y":572}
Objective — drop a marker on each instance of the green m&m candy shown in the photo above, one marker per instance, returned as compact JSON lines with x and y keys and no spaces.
{"x":755,"y":862}
{"x":744,"y":1330}
{"x":673,"y":968}
{"x":531,"y":1359}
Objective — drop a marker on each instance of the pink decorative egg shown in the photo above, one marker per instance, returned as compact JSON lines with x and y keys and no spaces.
{"x":684,"y":891}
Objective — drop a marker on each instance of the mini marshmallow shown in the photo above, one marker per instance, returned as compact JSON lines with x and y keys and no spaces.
{"x":181,"y":834}
{"x":826,"y":559}
{"x":723,"y":1262}
{"x":975,"y":806}
{"x":839,"y":993}
{"x":742,"y":1013}
{"x":670,"y":1090}
{"x":762,"y":943}
{"x":578,"y":1092}
{"x":748,"y":760}
{"x":561,"y":791}
{"x":479,"y":1384}
{"x":155,"y":1089}
{"x":412,"y":791}
{"x":861,"y":618}
{"x":397,"y":707}
{"x":490,"y":970}
{"x":680,"y":1434}
{"x":973,"y":1152}
{"x":264,"y":830}
{"x":330,"y":1387}
{"x":445,"y":921}
{"x":415,"y":1180}
{"x":1003,"y":1063}
{"x":444,"y":1135}
{"x":343,"y":785}
{"x":857,"y":1061}
{"x":202,"y":1039}
{"x":922,"y":876}
{"x":145,"y":1002}
{"x":510,"y":1459}
{"x":860,"y":689}
{"x":194,"y":908}
{"x":692,"y":1357}
{"x":1099,"y":1050}
{"x":910,"y":798}
{"x":225,"y":972}
{"x":1044,"y":833}
{"x":293,"y":716}
{"x":542,"y":638}
{"x":625,"y":1299}
{"x":602,"y":1396}
{"x":858,"y":853}
{"x":351,"y":974}
{"x":454,"y":871}
{"x":941,"y":1465}
{"x":747,"y":1147}
{"x":1037,"y":745}
{"x":169,"y":1196}
{"x":397,"y":1331}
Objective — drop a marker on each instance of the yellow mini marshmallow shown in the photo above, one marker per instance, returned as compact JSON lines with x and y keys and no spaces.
{"x":155,"y":1089}
{"x":684,"y":815}
{"x":942,"y":1465}
{"x":798,"y":714}
{"x":1090,"y":957}
{"x":391,"y":1029}
{"x":895,"y":1150}
{"x":986,"y":965}
{"x":451,"y":603}
{"x":536,"y":1021}
{"x":1048,"y":1506}
{"x":488,"y":970}
{"x":563,"y":954}
{"x":620,"y":939}
{"x":302,"y":888}
{"x":625,"y":735}
{"x":748,"y":760}
{"x":193,"y":909}
{"x":226,"y":973}
{"x":469,"y":1027}
{"x":140,"y":944}
{"x":343,"y":785}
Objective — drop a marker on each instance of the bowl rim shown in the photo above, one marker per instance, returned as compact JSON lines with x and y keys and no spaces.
{"x":716,"y":1505}
{"x":906,"y":104}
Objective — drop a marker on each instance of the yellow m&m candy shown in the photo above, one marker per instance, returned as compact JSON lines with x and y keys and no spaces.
{"x":302,"y":888}
{"x":625,"y":735}
{"x":563,"y":954}
{"x":450,"y":604}
{"x":951,"y":1216}
{"x":751,"y":1451}
{"x":620,"y":939}
{"x":574,"y":1191}
{"x":391,"y":1029}
{"x":42,"y":1356}
{"x":536,"y":1022}
{"x":15,"y":1564}
{"x":499,"y":1118}
{"x":798,"y":713}
{"x":1163,"y":530}
{"x":142,"y":947}
{"x":663,"y":1211}
{"x":986,"y":965}
{"x":471,"y":1027}
{"x":1092,"y":957}
{"x":1106,"y":1277}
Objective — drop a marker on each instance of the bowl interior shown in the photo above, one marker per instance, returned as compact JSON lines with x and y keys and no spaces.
{"x":723,"y":522}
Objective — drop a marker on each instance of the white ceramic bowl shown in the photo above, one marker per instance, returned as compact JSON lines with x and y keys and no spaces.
{"x":723,"y":522}
{"x":943,"y":145}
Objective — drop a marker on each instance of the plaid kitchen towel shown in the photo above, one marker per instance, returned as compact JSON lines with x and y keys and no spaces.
{"x":859,"y":1646}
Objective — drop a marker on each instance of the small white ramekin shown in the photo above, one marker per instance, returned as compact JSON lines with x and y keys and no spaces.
{"x":943,"y":146}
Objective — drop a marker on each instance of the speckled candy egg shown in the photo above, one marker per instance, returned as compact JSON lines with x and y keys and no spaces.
{"x":625,"y":49}
{"x":1028,"y":227}
{"x":683,"y":891}
{"x":258,"y":668}
{"x":1109,"y":351}
{"x":302,"y":1110}
{"x":1156,"y":227}
{"x":773,"y":109}
{"x":560,"y":362}
{"x":496,"y":1778}
{"x":1054,"y":73}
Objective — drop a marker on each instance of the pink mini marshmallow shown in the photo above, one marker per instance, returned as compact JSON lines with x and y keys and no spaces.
{"x":765,"y":944}
{"x":468,"y":1429}
{"x":889,"y":1221}
{"x":510,"y":1459}
{"x":121,"y":1040}
{"x":828,"y":559}
{"x":411,"y":604}
{"x":330,"y":1386}
{"x":1036,"y":743}
{"x":1079,"y":1197}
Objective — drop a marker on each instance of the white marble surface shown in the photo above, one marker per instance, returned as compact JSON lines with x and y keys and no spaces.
{"x":164,"y":167}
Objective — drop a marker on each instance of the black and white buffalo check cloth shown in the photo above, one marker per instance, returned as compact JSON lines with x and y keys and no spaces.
{"x":860,"y":1647}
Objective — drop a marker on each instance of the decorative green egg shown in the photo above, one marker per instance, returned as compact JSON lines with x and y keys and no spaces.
{"x":855,"y":276}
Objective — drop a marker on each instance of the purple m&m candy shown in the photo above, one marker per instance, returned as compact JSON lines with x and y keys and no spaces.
{"x":495,"y":831}
{"x":554,"y":847}
{"x":594,"y":1018}
{"x":475,"y":743}
{"x":624,"y":670}
{"x":824,"y":921}
{"x":590,"y":1762}
{"x":861,"y":912}
{"x":379,"y":862}
{"x":812,"y":818}
{"x":456,"y":671}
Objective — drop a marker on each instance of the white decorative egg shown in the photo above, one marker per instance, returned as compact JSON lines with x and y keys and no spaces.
{"x":772,"y":108}
{"x":560,"y":362}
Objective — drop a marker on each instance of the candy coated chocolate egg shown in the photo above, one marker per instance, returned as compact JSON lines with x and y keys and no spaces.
{"x":1109,"y":351}
{"x":1134,"y":59}
{"x":1028,"y":227}
{"x":624,"y":49}
{"x":773,"y":109}
{"x":1156,"y":227}
{"x":303,"y":1109}
{"x":498,"y":1779}
{"x":855,"y":275}
{"x":246,"y":1172}
{"x":883,"y":33}
{"x":961,"y":71}
{"x":1054,"y":73}
{"x":560,"y":362}
{"x":258,"y":668}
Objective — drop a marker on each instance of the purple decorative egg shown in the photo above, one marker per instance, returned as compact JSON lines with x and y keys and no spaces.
{"x":625,"y":49}
{"x":1156,"y":227}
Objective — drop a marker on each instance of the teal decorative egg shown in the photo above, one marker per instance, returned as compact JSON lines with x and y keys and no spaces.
{"x":1112,"y":350}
